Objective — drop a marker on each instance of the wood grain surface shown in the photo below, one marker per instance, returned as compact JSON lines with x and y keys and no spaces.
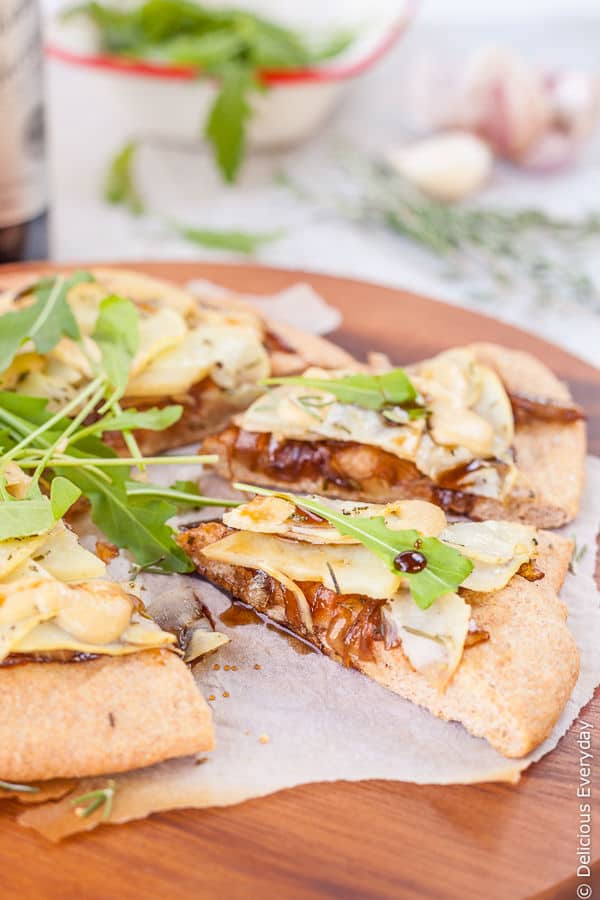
{"x":371,"y":839}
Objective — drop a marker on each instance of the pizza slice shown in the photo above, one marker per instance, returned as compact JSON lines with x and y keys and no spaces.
{"x":89,"y":684}
{"x":461,"y":618}
{"x":209,"y":356}
{"x":480,"y":430}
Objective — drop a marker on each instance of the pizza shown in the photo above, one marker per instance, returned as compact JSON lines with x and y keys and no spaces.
{"x":480,"y":430}
{"x":464,"y":619}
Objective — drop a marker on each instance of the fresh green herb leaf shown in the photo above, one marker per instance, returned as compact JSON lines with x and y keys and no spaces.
{"x":225,"y":128}
{"x":45,"y":322}
{"x":136,"y":523}
{"x":235,"y":241}
{"x":179,"y":497}
{"x":21,"y":788}
{"x":445,"y":568}
{"x":94,"y":800}
{"x":154,"y":419}
{"x":25,"y":518}
{"x":409,"y":413}
{"x":204,"y":50}
{"x":63,"y":494}
{"x":368,"y":391}
{"x":232,"y":44}
{"x":120,"y":187}
{"x":36,"y":514}
{"x":117,"y":335}
{"x":187,"y":487}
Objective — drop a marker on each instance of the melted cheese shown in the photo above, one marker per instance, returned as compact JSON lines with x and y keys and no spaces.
{"x":179,"y":346}
{"x":432,"y":639}
{"x":53,"y":597}
{"x":355,"y":569}
{"x":274,"y":515}
{"x":271,"y":536}
{"x":470,"y":418}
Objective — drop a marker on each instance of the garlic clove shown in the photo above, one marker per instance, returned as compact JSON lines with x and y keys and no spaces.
{"x":447,"y":166}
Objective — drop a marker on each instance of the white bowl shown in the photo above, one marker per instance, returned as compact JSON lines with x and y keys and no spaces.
{"x":166,"y":102}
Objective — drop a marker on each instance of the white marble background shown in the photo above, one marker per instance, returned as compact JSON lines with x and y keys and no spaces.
{"x":376,"y":113}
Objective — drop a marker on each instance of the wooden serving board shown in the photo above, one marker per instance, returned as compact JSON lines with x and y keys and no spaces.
{"x":369,"y":839}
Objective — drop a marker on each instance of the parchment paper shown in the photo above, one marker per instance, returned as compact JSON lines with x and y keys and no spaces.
{"x":298,"y":305}
{"x":284,"y":718}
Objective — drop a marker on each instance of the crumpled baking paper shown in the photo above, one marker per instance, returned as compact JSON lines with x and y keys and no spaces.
{"x":285,"y":718}
{"x":298,"y":305}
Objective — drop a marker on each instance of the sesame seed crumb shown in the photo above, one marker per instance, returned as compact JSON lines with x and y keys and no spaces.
{"x":264,"y":739}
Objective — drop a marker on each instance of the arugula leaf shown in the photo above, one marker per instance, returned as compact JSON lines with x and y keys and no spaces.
{"x":154,"y":419}
{"x":206,"y":50}
{"x":25,"y":518}
{"x":445,"y":568}
{"x":45,"y":322}
{"x":63,"y":494}
{"x":368,"y":391}
{"x":232,"y":44}
{"x":235,"y":241}
{"x":187,"y":494}
{"x":136,"y":523}
{"x":20,"y":518}
{"x":225,"y":128}
{"x":187,"y":487}
{"x":119,"y":184}
{"x":117,"y":335}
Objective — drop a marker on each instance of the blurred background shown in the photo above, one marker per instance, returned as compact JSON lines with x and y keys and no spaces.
{"x":448,"y":148}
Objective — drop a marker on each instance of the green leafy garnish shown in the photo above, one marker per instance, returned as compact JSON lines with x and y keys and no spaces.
{"x":45,"y":322}
{"x":133,"y":516}
{"x":154,"y":419}
{"x":185,"y":495}
{"x":35,"y":514}
{"x":445,"y":568}
{"x":226,"y":125}
{"x":233,"y":45}
{"x":63,"y":494}
{"x":368,"y":391}
{"x":234,"y":241}
{"x":119,"y":184}
{"x":94,"y":800}
{"x":117,"y":335}
{"x":21,"y":788}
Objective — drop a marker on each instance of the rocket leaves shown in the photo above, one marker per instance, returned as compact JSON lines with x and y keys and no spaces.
{"x":444,"y":568}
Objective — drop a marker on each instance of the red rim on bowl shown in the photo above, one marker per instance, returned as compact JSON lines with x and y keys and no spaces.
{"x":271,"y":76}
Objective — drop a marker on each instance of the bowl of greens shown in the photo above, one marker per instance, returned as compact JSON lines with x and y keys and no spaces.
{"x":178,"y":70}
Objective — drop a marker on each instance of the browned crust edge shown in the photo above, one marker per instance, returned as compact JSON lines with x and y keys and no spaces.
{"x":62,"y":720}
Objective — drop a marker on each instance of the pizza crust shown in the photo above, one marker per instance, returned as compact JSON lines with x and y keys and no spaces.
{"x":509,"y":690}
{"x":62,"y":720}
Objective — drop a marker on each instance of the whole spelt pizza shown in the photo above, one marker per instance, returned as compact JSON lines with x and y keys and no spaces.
{"x":397,"y":519}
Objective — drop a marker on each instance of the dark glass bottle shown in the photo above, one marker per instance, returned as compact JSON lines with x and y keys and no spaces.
{"x":22,"y":172}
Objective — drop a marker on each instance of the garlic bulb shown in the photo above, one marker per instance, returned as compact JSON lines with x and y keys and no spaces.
{"x":446,"y":167}
{"x":533,"y":117}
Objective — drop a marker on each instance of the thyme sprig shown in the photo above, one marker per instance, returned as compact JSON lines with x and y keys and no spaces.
{"x":493,"y":249}
{"x":94,"y":800}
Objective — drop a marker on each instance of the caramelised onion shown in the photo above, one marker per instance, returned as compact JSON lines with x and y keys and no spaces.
{"x":528,"y":407}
